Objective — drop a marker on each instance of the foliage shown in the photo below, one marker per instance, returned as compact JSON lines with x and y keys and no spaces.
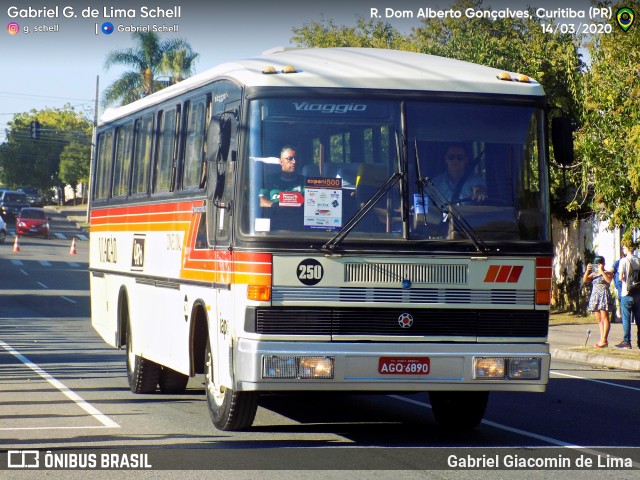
{"x":608,"y":141}
{"x":35,"y":163}
{"x":369,"y":34}
{"x":150,"y":59}
{"x":74,"y":164}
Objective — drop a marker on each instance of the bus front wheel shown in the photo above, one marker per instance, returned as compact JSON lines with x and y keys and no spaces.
{"x":142,"y":374}
{"x":229,"y":410}
{"x":458,"y":411}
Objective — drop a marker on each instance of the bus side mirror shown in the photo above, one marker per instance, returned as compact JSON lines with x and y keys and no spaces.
{"x":218,"y":139}
{"x":562,"y":139}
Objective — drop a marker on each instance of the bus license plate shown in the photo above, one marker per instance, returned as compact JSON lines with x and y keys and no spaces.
{"x":404,"y":365}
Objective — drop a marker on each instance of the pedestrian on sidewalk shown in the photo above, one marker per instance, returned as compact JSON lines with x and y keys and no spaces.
{"x":600,"y":301}
{"x":618,"y":285}
{"x":630,"y":302}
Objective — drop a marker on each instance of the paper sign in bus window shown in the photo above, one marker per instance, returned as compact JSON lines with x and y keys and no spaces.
{"x":323,"y":203}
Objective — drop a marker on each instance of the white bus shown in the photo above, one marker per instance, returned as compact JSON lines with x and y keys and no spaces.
{"x":369,"y":277}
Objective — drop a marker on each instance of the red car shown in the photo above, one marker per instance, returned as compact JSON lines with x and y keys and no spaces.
{"x":32,"y":221}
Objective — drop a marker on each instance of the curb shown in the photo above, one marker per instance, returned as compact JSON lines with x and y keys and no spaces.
{"x":598,"y":360}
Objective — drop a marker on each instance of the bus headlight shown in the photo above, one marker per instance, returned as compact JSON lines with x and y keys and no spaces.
{"x":297,"y":367}
{"x":499,"y":368}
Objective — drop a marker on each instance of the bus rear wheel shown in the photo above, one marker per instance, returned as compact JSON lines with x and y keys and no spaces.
{"x":229,"y":410}
{"x":171,"y":381}
{"x":142,"y":374}
{"x":458,"y":411}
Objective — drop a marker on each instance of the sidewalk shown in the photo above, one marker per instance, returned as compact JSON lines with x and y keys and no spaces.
{"x":564,"y":341}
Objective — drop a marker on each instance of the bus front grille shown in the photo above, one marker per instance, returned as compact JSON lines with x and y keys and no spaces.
{"x":387,"y":322}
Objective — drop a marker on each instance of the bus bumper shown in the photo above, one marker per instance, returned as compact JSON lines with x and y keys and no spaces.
{"x":389,"y":367}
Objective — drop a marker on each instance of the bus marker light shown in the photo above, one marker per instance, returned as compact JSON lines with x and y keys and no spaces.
{"x":504,"y":76}
{"x":289,"y":69}
{"x":269,"y":70}
{"x":260,"y":293}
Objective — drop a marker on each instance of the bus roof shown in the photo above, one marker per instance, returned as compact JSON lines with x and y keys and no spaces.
{"x":353,"y":68}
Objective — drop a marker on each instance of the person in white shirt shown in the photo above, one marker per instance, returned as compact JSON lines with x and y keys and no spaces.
{"x":629,"y":304}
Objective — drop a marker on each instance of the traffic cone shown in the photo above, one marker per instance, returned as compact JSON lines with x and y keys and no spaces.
{"x":73,"y":251}
{"x":16,"y":244}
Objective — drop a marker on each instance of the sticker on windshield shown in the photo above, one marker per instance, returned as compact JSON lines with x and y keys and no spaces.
{"x":323,"y":203}
{"x":420,"y":204}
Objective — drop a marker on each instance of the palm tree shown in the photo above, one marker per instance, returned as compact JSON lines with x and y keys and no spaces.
{"x":178,"y":61}
{"x":149,"y":59}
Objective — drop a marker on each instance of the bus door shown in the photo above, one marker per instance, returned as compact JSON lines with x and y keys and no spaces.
{"x":221,"y":155}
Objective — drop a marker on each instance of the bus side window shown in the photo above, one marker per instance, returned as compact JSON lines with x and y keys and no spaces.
{"x":194,"y":145}
{"x":165,"y":154}
{"x":103,"y":166}
{"x":122,"y":161}
{"x":142,"y":155}
{"x":201,"y":235}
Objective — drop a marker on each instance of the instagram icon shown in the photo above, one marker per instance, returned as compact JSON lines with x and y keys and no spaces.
{"x":13,"y":28}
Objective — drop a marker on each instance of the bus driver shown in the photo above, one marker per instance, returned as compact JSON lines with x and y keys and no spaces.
{"x":287,"y":181}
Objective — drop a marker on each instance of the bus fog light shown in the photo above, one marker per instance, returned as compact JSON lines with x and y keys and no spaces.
{"x":488,"y":368}
{"x":524,"y":368}
{"x":297,"y":367}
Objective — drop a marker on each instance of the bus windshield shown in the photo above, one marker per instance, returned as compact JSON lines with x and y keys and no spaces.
{"x":355,"y":170}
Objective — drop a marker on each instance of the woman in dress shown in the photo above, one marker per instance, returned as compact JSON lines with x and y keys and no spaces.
{"x":600,"y":301}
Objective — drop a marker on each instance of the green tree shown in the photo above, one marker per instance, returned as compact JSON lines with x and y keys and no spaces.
{"x":178,"y":61}
{"x":28,"y":162}
{"x":74,"y":165}
{"x":608,"y":141}
{"x":150,"y":58}
{"x":369,"y":34}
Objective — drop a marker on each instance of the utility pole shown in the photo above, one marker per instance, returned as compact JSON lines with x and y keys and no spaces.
{"x":93,"y":145}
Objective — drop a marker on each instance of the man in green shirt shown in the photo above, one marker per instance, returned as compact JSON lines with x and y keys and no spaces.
{"x":286,"y":188}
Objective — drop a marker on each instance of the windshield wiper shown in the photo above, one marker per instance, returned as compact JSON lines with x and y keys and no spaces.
{"x":426,"y":185}
{"x":369,"y":204}
{"x":362,"y":211}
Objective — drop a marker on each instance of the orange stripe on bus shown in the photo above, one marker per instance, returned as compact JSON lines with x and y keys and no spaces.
{"x":514,"y":276}
{"x":503,"y":274}
{"x":492,"y":273}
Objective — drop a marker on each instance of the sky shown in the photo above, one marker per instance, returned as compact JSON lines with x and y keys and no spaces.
{"x":48,"y":69}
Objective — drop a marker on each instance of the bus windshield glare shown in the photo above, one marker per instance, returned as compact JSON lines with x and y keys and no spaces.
{"x":354,"y":170}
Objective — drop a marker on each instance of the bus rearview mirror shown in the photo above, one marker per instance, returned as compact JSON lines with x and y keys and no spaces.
{"x":562,"y":139}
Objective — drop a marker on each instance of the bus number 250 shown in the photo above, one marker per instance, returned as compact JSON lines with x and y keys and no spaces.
{"x":310,"y":271}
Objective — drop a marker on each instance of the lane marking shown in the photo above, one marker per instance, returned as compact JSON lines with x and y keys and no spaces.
{"x":17,"y":262}
{"x":42,"y":285}
{"x":44,"y":263}
{"x":24,"y":272}
{"x":70,"y":394}
{"x":524,"y":433}
{"x":611,"y":384}
{"x":67,"y":299}
{"x":57,"y":427}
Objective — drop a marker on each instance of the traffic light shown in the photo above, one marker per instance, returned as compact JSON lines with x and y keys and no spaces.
{"x":35,"y":130}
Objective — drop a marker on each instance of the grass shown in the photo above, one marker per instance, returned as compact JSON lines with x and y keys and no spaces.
{"x":612,"y":351}
{"x":568,"y":318}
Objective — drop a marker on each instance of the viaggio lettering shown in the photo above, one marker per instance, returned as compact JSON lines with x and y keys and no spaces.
{"x":329,"y":107}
